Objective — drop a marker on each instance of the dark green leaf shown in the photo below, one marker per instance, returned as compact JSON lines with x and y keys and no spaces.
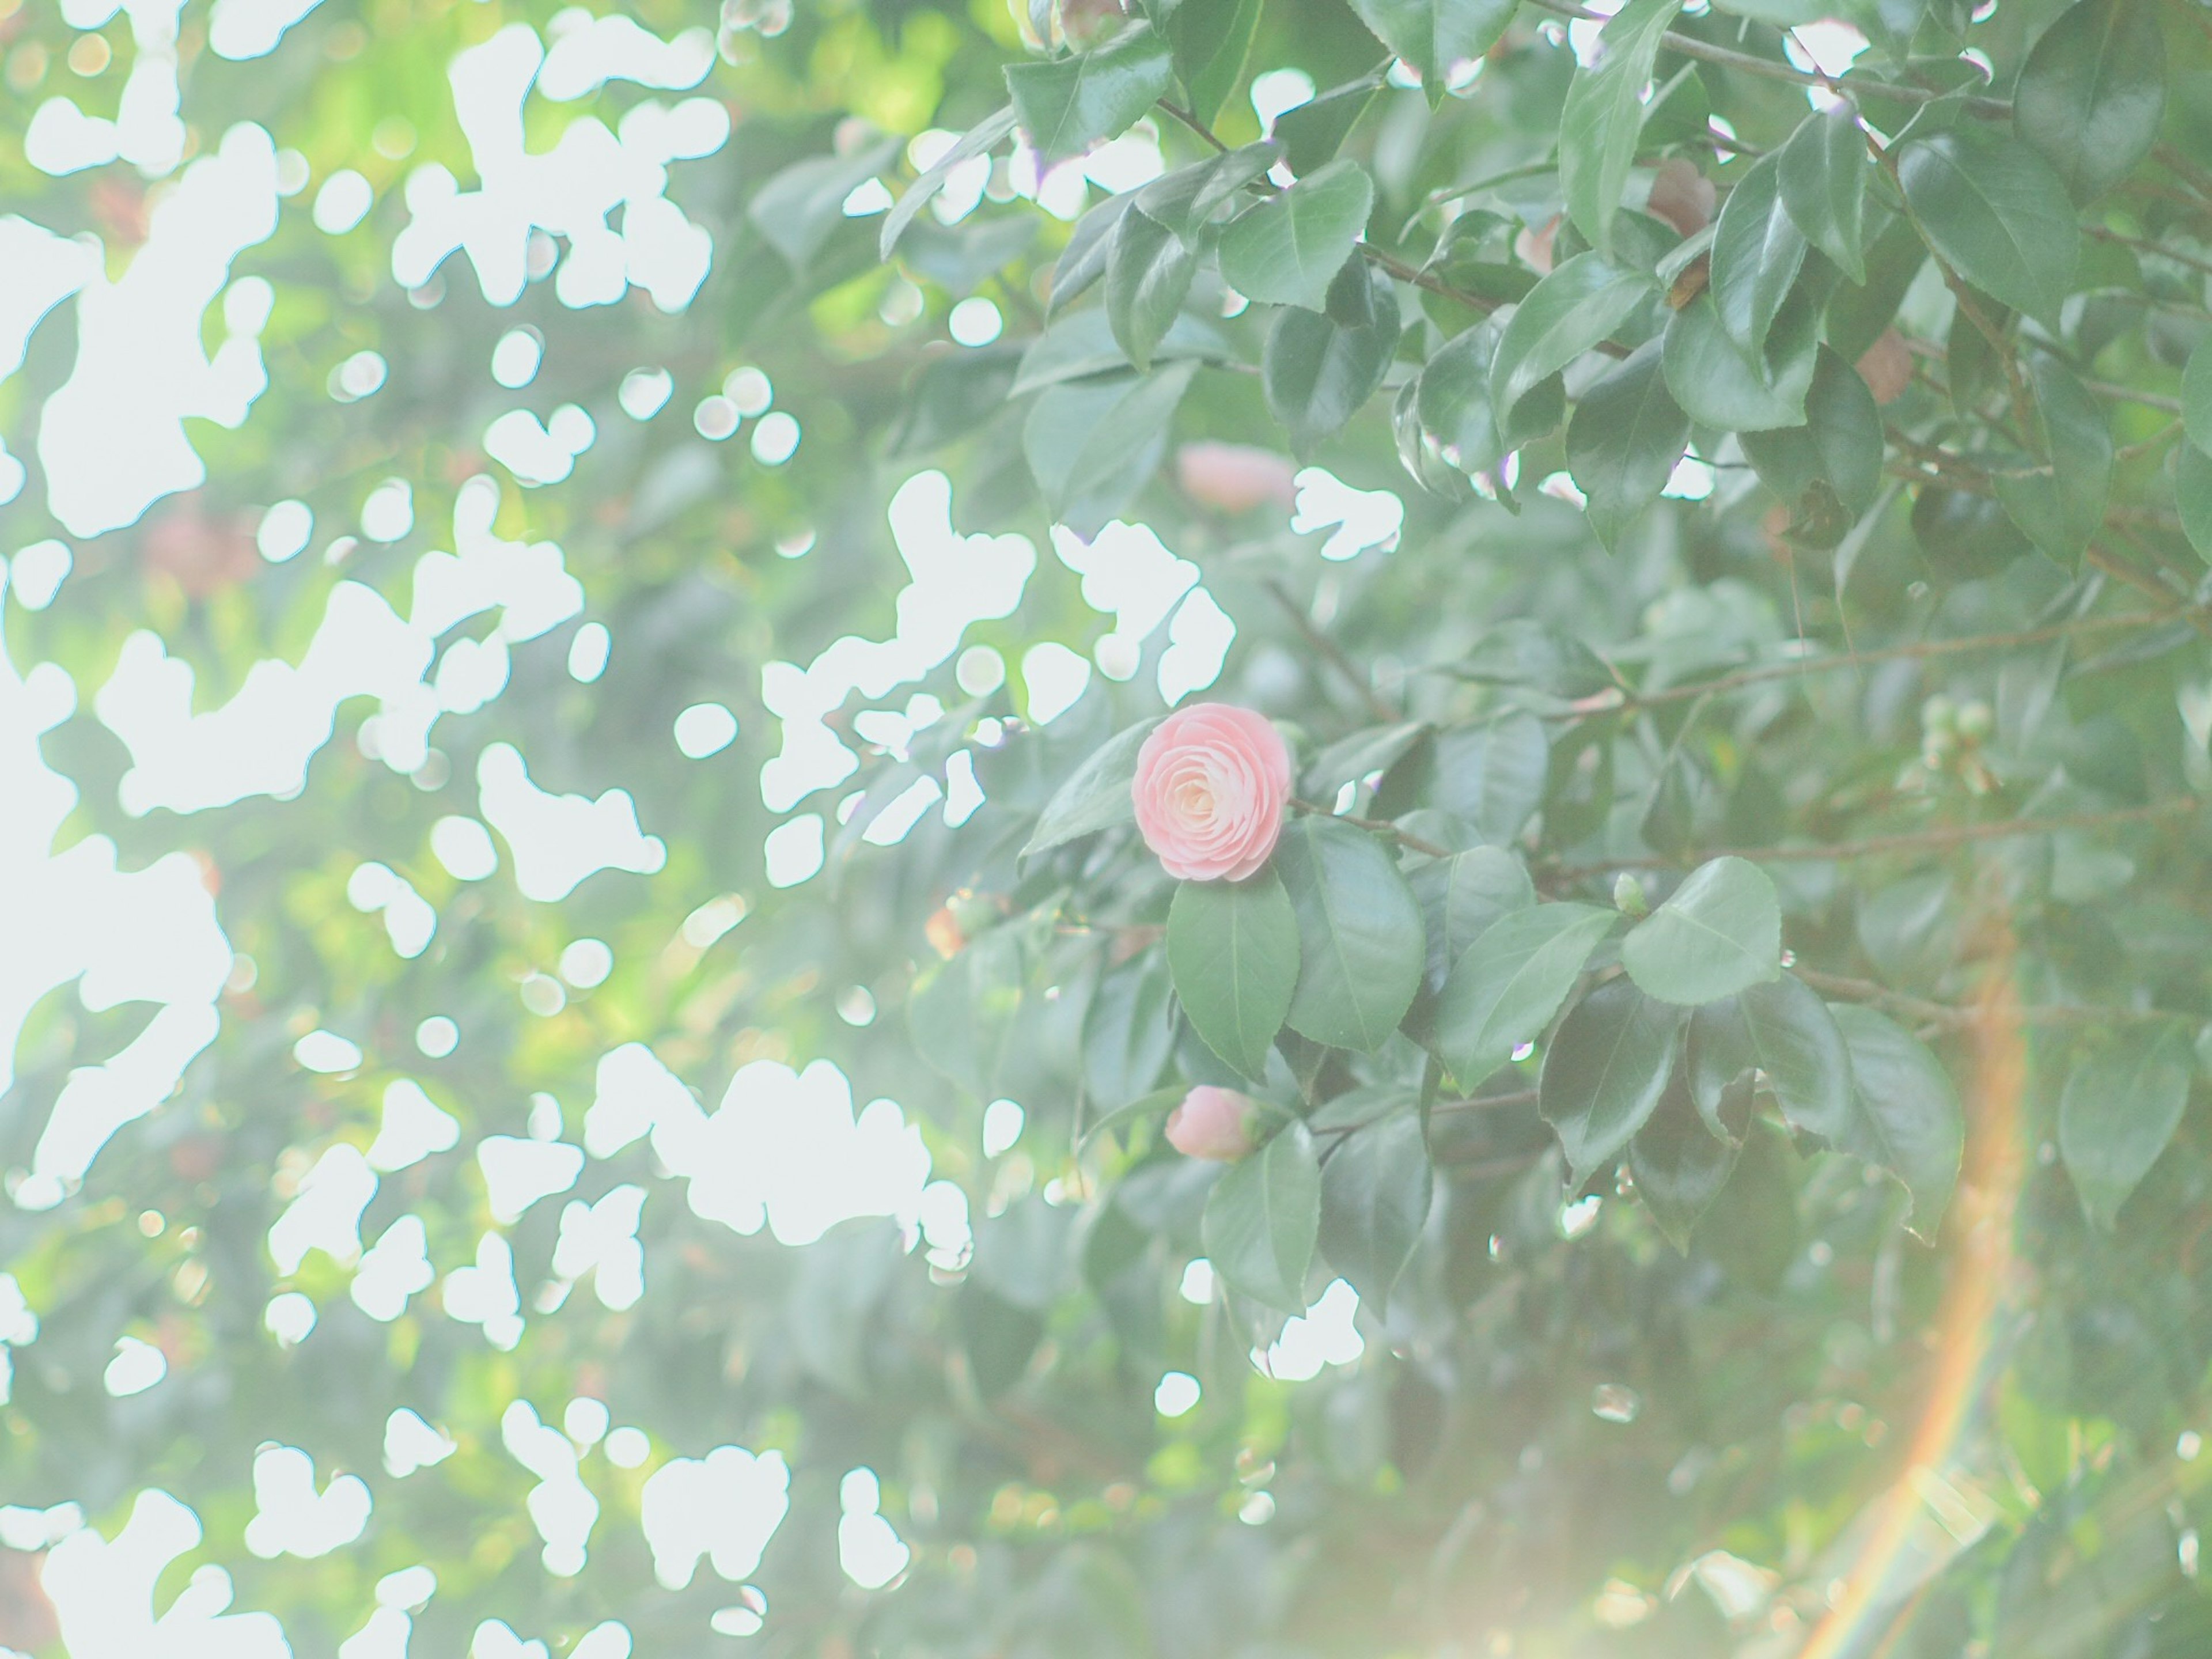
{"x":1233,"y":948}
{"x":1604,"y":1074}
{"x":1997,"y":213}
{"x":1287,"y":249}
{"x":2197,"y":397}
{"x":1526,"y":653}
{"x":1312,"y":133}
{"x":1717,"y":386}
{"x":1211,"y":40}
{"x":1081,"y":345}
{"x":1316,"y":370}
{"x":1148,"y":273}
{"x":1375,"y":1192}
{"x":1350,"y":759}
{"x":1092,"y":444}
{"x":1569,"y":313}
{"x":1261,"y":1217}
{"x":1096,"y":795}
{"x":1187,"y":198}
{"x":1492,"y":775}
{"x":1758,"y":251}
{"x":1680,"y":1166}
{"x":976,"y":141}
{"x":2062,"y":509}
{"x":2192,"y":494}
{"x":1824,"y":169}
{"x":1604,"y":116}
{"x":798,"y":209}
{"x":1434,"y":36}
{"x":2120,"y":1107}
{"x":1828,"y":471}
{"x":1128,"y":1032}
{"x":1719,"y":933}
{"x":1509,"y":983}
{"x":1624,"y":441}
{"x":1461,"y":896}
{"x":1083,"y":261}
{"x":1069,"y":103}
{"x":1966,"y":536}
{"x":1782,"y":1029}
{"x":1908,"y":1120}
{"x":1361,"y":946}
{"x":2092,"y":93}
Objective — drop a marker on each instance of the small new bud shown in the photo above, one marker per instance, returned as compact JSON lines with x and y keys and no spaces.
{"x":1976,"y":721}
{"x":1628,"y":896}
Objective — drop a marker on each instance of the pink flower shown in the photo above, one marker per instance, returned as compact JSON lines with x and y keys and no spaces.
{"x":1210,"y":785}
{"x":1213,"y":1123}
{"x":1235,"y":478}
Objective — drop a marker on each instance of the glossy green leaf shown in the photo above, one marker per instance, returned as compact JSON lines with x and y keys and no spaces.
{"x":2192,"y":494}
{"x":1823,"y":173}
{"x":1492,"y":774}
{"x":1096,"y":795}
{"x":978,"y":140}
{"x":804,"y":205}
{"x":1319,"y":367}
{"x":2062,"y":509}
{"x":1908,"y":1120}
{"x":1508,"y":984}
{"x":1069,"y":104}
{"x":1623,"y":442}
{"x":1997,"y":213}
{"x":1782,"y":1029}
{"x":1828,"y":471}
{"x":1129,"y":1032}
{"x":1375,"y":1194}
{"x":1212,"y":38}
{"x":1361,"y":944}
{"x":1262,"y":1218}
{"x":1082,"y":262}
{"x":1312,"y":133}
{"x":1571,"y":311}
{"x":1718,"y":934}
{"x":1435,"y":35}
{"x":1453,"y":400}
{"x":1717,"y":386}
{"x":1091,"y":444}
{"x":1756,"y":252}
{"x":1681,"y":1167}
{"x":1525,"y":654}
{"x":1288,"y":249}
{"x":1605,"y":1072}
{"x":1080,"y":345}
{"x":1463,"y":896}
{"x":1186,"y":199}
{"x":2092,"y":93}
{"x":2197,"y":397}
{"x":1148,"y":273}
{"x":1233,"y":949}
{"x":1604,"y":116}
{"x":2120,"y":1107}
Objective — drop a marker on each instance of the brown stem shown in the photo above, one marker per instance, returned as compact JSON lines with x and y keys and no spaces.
{"x":1956,"y":1017}
{"x":1194,"y":125}
{"x":1332,"y":653}
{"x":1407,"y":839}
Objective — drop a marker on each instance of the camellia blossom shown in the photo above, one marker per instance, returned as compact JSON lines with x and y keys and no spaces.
{"x":1210,"y":785}
{"x":1235,"y":478}
{"x":1213,"y":1123}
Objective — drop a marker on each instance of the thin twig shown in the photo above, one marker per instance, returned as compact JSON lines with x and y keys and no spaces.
{"x":1953,"y":1016}
{"x":2136,"y":242}
{"x":1194,"y":125}
{"x":1332,"y":653}
{"x":1911,"y":840}
{"x":1405,"y":838}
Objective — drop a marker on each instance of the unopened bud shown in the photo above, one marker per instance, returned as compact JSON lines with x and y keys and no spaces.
{"x":1628,"y":896}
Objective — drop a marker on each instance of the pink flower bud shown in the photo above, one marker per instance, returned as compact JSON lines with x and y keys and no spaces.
{"x":1235,"y":478}
{"x":1213,"y":1123}
{"x":1210,"y":785}
{"x":1887,"y":367}
{"x":1534,"y":246}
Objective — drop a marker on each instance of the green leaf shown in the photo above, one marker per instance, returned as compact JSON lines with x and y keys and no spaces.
{"x":1997,"y":214}
{"x":1463,"y":896}
{"x":1569,"y":313}
{"x":1318,"y":368}
{"x":1493,"y":775}
{"x":800,"y":209}
{"x":976,"y":141}
{"x":1604,"y":116}
{"x":1453,"y":400}
{"x":2092,"y":92}
{"x":1081,"y":345}
{"x":1069,"y":103}
{"x":1375,"y":1194}
{"x":1624,"y":441}
{"x":1187,"y":198}
{"x":1680,"y":1166}
{"x":1261,"y":1217}
{"x":1717,"y":386}
{"x":1823,"y":170}
{"x":1092,"y":444}
{"x":1287,"y":249}
{"x":1233,"y":949}
{"x":2197,"y":397}
{"x":1908,"y":1120}
{"x":1966,"y":536}
{"x":1211,"y":40}
{"x":2062,"y":509}
{"x":1312,"y":133}
{"x":1096,"y":795}
{"x":1158,"y":1104}
{"x":1361,"y":947}
{"x":1434,"y":35}
{"x":2192,"y":494}
{"x":1129,"y":1032}
{"x":1509,"y":983}
{"x":1719,"y":933}
{"x":1604,"y":1074}
{"x":1524,"y":653}
{"x":1083,"y":261}
{"x":1148,"y":273}
{"x":2120,"y":1107}
{"x":1785,"y":1031}
{"x":1758,"y":251}
{"x":1829,"y":470}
